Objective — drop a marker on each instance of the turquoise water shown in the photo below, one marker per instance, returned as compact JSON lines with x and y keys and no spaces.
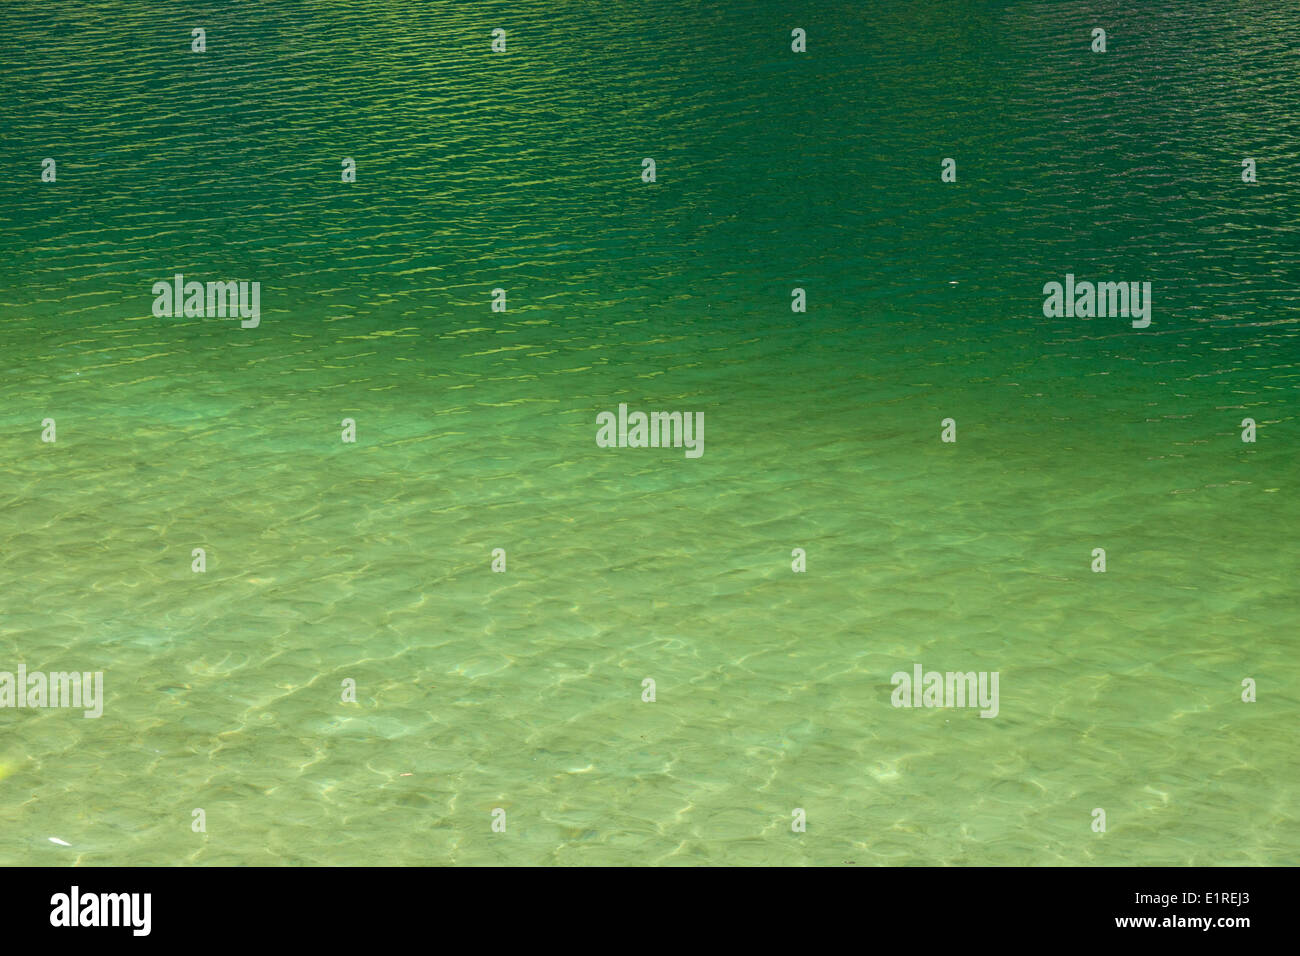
{"x":371,"y":561}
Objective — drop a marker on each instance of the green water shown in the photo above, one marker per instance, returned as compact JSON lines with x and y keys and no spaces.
{"x":329,"y":561}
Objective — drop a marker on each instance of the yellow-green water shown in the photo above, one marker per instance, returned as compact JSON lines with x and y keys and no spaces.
{"x":475,"y":430}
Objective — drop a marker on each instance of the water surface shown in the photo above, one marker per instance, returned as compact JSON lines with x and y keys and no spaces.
{"x":522,"y":691}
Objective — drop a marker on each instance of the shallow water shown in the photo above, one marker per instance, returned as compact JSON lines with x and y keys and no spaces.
{"x":522,"y":691}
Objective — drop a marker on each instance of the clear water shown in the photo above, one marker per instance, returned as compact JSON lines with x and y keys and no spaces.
{"x":522,"y":691}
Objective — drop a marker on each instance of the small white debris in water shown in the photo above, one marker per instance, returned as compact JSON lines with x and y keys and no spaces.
{"x":59,"y":842}
{"x":952,"y":281}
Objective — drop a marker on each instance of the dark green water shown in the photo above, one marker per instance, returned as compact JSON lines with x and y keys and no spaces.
{"x":370,"y":561}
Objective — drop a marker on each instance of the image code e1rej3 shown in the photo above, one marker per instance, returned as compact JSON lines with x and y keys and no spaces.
{"x":649,"y":434}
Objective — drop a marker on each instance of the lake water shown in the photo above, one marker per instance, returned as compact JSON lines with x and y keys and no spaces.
{"x":522,"y":691}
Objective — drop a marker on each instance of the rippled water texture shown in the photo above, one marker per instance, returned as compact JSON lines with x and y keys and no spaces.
{"x":522,"y":691}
